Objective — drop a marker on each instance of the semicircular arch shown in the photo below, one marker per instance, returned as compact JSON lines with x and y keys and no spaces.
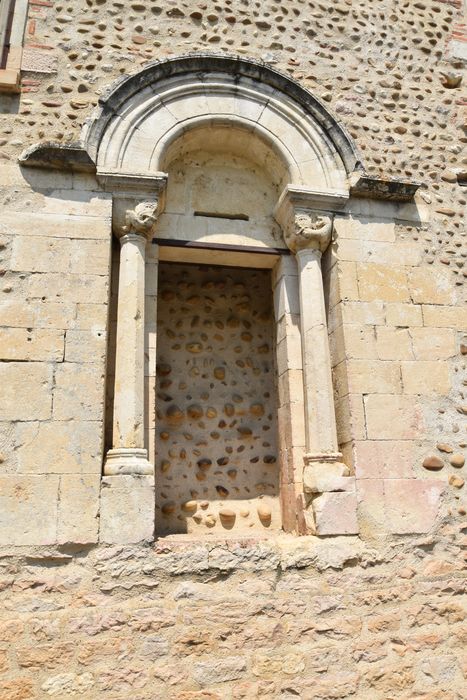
{"x":141,"y":119}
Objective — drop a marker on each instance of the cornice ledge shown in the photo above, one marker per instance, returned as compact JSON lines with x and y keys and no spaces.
{"x":58,"y":156}
{"x":366,"y":186}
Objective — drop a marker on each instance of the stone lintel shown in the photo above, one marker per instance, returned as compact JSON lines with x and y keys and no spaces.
{"x":57,"y":156}
{"x":392,"y":190}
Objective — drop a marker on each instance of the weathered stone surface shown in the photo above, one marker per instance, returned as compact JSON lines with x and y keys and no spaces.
{"x":127,"y":509}
{"x":430,"y":287}
{"x":85,"y":346}
{"x":28,"y":512}
{"x":69,"y":683}
{"x":34,"y":345}
{"x":411,"y":506}
{"x":263,"y":616}
{"x":382,"y":283}
{"x":424,"y":377}
{"x":19,"y":401}
{"x":406,"y":417}
{"x":379,"y":459}
{"x":78,"y":508}
{"x":336,"y":513}
{"x":59,"y":447}
{"x":78,"y":392}
{"x":220,"y":670}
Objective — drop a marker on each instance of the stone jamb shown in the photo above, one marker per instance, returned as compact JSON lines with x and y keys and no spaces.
{"x":306,"y":219}
{"x":127,"y":493}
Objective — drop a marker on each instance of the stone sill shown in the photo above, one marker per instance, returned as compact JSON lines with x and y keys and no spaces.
{"x":181,"y":555}
{"x":174,"y":542}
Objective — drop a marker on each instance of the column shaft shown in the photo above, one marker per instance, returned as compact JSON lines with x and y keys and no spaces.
{"x":128,"y":455}
{"x":320,"y":421}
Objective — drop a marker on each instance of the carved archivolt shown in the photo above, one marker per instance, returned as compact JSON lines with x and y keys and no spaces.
{"x":138,"y":121}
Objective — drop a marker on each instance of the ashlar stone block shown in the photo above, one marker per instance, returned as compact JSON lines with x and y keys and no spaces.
{"x":40,"y":254}
{"x":127,"y":509}
{"x":434,"y":343}
{"x":91,"y":316}
{"x":381,"y":282}
{"x":394,"y":344}
{"x":26,"y":391}
{"x":445,"y":316}
{"x":431,"y":286}
{"x":59,"y":447}
{"x":85,"y":346}
{"x":78,"y":508}
{"x":336,"y":513}
{"x":68,"y":288}
{"x":31,"y":344}
{"x":427,"y":378}
{"x":373,"y":377}
{"x":79,"y":392}
{"x":350,"y":418}
{"x":28,"y":509}
{"x":411,"y":505}
{"x":393,"y":417}
{"x":408,"y":315}
{"x":388,"y":459}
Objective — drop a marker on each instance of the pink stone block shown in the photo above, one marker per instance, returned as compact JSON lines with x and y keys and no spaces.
{"x":411,"y":505}
{"x":371,"y":512}
{"x":336,"y":513}
{"x":384,"y":459}
{"x":392,"y":416}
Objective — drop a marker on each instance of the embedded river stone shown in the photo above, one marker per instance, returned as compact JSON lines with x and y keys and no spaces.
{"x":433,"y":463}
{"x":216,"y":402}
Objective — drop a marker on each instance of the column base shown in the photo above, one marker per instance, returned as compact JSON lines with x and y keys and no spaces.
{"x":324,"y":472}
{"x":331,"y":494}
{"x":127,"y":460}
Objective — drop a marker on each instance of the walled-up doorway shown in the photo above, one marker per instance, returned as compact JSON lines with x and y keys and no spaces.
{"x":217,"y":467}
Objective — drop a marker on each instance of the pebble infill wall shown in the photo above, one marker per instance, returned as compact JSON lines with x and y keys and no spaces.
{"x":216,"y":443}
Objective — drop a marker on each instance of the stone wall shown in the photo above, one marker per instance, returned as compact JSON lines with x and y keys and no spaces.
{"x":305,"y":619}
{"x":54,"y":304}
{"x":373,"y":617}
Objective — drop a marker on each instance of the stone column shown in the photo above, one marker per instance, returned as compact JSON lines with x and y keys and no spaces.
{"x":128,"y":454}
{"x":308,"y":239}
{"x":329,"y":492}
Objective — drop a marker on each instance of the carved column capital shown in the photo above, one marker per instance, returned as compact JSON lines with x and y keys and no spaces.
{"x":308,"y":229}
{"x":141,"y":220}
{"x":306,"y":217}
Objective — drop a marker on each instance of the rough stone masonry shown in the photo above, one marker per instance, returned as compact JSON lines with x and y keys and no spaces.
{"x":233,"y":342}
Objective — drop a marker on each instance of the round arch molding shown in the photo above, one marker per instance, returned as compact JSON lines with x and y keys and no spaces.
{"x":140,"y":118}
